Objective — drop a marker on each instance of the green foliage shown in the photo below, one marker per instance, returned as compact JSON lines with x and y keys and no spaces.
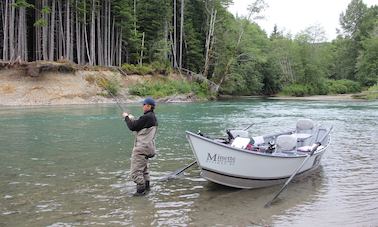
{"x":40,"y":23}
{"x":322,"y":87}
{"x":343,"y":86}
{"x":137,"y":69}
{"x":151,"y":18}
{"x":167,"y":87}
{"x":46,"y":10}
{"x":251,"y":64}
{"x":22,"y":4}
{"x":161,"y":67}
{"x":368,"y":62}
{"x":352,"y":18}
{"x":154,"y":68}
{"x":112,"y":86}
{"x":370,"y":94}
{"x":298,"y":90}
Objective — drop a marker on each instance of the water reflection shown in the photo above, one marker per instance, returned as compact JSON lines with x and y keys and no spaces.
{"x":221,"y":204}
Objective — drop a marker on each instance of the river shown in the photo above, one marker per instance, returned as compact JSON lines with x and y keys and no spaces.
{"x":69,"y":166}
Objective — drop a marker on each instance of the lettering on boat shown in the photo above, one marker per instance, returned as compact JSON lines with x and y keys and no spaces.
{"x":220,"y":160}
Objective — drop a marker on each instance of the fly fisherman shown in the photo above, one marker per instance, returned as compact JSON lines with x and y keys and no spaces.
{"x":145,"y":129}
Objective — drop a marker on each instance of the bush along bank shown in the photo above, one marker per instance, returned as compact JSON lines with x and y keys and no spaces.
{"x":370,"y":94}
{"x":325,"y":87}
{"x":165,"y":87}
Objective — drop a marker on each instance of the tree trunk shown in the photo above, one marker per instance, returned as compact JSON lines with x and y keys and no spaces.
{"x":5,"y":31}
{"x":209,"y":41}
{"x":109,"y":35}
{"x":181,"y":32}
{"x":112,"y":43}
{"x":141,"y":51}
{"x":20,"y":34}
{"x":37,"y":33}
{"x":71,"y":58}
{"x":93,"y":54}
{"x":86,"y":36}
{"x":100,"y":47}
{"x":120,"y":49}
{"x":44,"y":32}
{"x":135,"y":19}
{"x":78,"y":39}
{"x":174,"y":35}
{"x":24,"y":40}
{"x":166,"y":40}
{"x":68,"y":33}
{"x":62,"y":48}
{"x":11,"y":31}
{"x":52,"y":32}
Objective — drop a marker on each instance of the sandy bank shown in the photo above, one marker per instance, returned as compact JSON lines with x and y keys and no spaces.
{"x":19,"y":88}
{"x":49,"y":88}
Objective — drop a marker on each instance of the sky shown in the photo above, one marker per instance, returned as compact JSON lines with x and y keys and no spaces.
{"x":294,"y":16}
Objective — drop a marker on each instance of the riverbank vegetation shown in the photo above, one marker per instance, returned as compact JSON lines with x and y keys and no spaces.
{"x":167,"y":87}
{"x":195,"y":37}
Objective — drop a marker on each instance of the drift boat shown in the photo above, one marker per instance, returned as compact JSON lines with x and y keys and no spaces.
{"x":242,"y":161}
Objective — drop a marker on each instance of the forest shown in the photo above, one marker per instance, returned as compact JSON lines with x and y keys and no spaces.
{"x":197,"y":35}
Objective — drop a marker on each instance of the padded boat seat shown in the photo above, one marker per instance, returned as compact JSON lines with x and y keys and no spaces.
{"x":304,"y":130}
{"x":286,"y":143}
{"x":305,"y":126}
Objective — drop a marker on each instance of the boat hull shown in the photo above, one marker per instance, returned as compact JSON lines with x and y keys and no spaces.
{"x":240,"y":168}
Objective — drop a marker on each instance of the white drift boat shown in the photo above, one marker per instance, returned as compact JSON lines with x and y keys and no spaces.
{"x":241,"y":161}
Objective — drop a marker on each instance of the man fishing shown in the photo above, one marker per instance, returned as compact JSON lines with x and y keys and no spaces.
{"x":145,"y":129}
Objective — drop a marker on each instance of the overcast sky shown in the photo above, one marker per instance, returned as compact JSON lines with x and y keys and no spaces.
{"x":293,"y":16}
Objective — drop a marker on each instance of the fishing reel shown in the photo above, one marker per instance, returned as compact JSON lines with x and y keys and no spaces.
{"x":229,"y":134}
{"x":271,"y":146}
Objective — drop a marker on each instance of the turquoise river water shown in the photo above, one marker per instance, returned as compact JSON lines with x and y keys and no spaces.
{"x":69,"y":166}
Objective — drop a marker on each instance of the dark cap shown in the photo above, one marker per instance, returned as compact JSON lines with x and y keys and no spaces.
{"x":149,"y":101}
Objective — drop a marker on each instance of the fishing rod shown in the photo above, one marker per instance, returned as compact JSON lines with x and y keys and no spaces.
{"x":115,"y":99}
{"x":111,"y":94}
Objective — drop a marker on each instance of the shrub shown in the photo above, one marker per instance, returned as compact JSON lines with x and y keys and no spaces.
{"x":166,"y":87}
{"x":343,"y":86}
{"x":298,"y":90}
{"x":163,"y":68}
{"x":154,"y":68}
{"x":112,"y":86}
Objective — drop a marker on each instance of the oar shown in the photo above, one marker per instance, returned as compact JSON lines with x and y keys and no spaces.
{"x":314,"y":148}
{"x":177,"y":172}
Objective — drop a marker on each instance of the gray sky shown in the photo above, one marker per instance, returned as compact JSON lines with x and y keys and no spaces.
{"x":293,"y":16}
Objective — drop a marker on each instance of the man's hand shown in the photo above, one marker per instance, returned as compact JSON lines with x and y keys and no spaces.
{"x":125,"y":114}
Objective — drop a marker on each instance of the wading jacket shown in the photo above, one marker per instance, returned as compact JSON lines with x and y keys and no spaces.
{"x":145,"y":128}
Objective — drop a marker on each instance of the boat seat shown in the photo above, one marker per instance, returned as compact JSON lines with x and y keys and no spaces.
{"x":304,"y":130}
{"x":286,"y":143}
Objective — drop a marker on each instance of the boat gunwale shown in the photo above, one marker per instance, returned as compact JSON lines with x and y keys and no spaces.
{"x":297,"y":155}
